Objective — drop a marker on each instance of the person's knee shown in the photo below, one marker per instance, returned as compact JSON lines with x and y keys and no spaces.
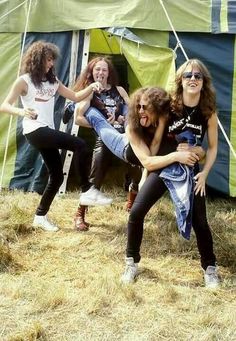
{"x":135,"y":214}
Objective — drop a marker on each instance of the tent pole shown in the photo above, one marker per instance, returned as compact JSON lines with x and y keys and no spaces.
{"x":75,"y":128}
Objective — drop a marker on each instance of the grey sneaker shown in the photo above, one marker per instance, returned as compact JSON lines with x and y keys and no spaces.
{"x":211,"y":277}
{"x":93,"y":197}
{"x":131,"y":271}
{"x":41,"y":221}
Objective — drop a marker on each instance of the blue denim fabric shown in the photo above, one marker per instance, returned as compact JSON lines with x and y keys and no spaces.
{"x":115,"y":141}
{"x":179,"y":181}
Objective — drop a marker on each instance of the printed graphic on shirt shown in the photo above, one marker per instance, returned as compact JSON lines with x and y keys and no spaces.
{"x":44,"y":94}
{"x":184,"y":124}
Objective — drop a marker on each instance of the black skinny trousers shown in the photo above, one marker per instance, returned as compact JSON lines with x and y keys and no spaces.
{"x":102,"y":160}
{"x":150,"y":193}
{"x":48,"y":142}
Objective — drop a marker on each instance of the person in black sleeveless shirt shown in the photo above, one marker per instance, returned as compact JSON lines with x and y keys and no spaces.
{"x":193,"y":108}
{"x":112,"y":101}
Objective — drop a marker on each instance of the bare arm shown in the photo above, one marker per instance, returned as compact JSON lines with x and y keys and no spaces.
{"x":156,"y":141}
{"x":19,"y":88}
{"x":154,"y":147}
{"x":123,"y":94}
{"x":80,"y":95}
{"x":212,"y":136}
{"x":151,"y":163}
{"x":80,"y":110}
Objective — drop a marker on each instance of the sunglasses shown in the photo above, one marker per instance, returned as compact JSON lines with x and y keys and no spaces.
{"x":189,"y":75}
{"x":142,"y":106}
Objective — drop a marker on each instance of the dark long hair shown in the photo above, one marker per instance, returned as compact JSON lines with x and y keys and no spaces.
{"x":158,"y":101}
{"x":207,"y":101}
{"x":86,"y":77}
{"x":34,"y":61}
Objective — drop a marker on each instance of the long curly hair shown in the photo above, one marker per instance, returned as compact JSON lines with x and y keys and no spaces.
{"x":34,"y":61}
{"x":207,"y":101}
{"x":86,"y":77}
{"x":158,"y":102}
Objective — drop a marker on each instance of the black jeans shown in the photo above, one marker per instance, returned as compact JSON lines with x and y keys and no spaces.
{"x":102,"y":160}
{"x":48,"y":142}
{"x":150,"y":193}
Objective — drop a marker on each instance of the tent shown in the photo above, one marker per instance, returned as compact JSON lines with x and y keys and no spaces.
{"x":136,"y":31}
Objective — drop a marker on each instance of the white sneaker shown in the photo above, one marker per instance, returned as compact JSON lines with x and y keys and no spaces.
{"x":211,"y":277}
{"x":93,"y":197}
{"x":42,"y":222}
{"x":131,"y":271}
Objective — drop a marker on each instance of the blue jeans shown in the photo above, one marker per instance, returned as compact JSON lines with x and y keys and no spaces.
{"x":115,"y":141}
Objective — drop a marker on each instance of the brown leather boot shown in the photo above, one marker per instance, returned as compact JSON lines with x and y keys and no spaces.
{"x":80,"y":223}
{"x":130,"y":200}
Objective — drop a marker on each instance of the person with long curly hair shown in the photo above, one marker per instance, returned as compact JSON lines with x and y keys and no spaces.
{"x":112,"y":101}
{"x":193,"y":108}
{"x":37,"y":86}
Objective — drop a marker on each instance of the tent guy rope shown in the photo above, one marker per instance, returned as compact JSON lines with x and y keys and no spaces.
{"x":12,"y":10}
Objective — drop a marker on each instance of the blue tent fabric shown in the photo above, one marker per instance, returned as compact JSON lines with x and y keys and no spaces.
{"x":215,"y":16}
{"x":231,"y":16}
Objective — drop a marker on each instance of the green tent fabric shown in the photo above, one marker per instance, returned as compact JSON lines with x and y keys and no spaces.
{"x":60,"y":15}
{"x":151,"y":65}
{"x":10,"y":54}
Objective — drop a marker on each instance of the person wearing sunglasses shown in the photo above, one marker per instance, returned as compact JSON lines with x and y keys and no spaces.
{"x":193,"y":108}
{"x":144,"y":133}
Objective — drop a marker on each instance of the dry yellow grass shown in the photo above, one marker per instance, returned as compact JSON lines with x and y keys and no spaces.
{"x":66,"y":285}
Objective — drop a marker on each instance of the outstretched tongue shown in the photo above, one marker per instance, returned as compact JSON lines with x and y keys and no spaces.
{"x":143,"y":120}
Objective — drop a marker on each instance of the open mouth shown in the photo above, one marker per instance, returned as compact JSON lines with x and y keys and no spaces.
{"x":143,"y":120}
{"x":192,"y":85}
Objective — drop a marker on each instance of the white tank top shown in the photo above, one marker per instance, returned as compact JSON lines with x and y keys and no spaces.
{"x":42,"y":100}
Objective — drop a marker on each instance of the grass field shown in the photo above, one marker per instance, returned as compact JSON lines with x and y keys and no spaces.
{"x":66,"y":285}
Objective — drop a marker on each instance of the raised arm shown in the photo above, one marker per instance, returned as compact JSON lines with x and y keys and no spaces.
{"x":81,"y":94}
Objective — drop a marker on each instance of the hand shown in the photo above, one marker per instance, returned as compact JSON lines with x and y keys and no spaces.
{"x":97,"y":87}
{"x":184,"y":146}
{"x":200,"y":184}
{"x":121,"y":120}
{"x":28,"y":112}
{"x":196,"y":149}
{"x":187,"y":158}
{"x":111,"y":119}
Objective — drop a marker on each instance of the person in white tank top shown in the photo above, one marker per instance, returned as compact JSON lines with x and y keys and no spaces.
{"x":37,"y":86}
